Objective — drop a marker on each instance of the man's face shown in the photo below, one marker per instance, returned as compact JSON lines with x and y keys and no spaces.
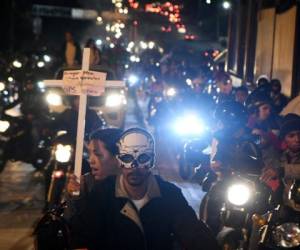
{"x":292,"y":141}
{"x":136,"y":157}
{"x":225,"y":87}
{"x":135,"y":176}
{"x":241,"y":96}
{"x":264,"y":112}
{"x":102,"y":163}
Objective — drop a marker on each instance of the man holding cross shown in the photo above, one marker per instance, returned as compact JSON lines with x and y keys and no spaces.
{"x":138,"y":210}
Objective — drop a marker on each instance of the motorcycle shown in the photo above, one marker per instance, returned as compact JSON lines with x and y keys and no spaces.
{"x":59,"y":167}
{"x":16,"y":142}
{"x":279,"y":228}
{"x":234,"y":194}
{"x":245,"y":196}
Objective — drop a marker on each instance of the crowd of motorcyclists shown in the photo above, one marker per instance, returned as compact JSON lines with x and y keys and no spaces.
{"x":244,"y":154}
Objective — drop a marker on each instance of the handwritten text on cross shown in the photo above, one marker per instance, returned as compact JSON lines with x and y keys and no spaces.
{"x":78,"y":82}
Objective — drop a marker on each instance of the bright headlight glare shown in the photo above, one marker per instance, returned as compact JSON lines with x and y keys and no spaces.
{"x":4,"y":125}
{"x":133,"y":79}
{"x":189,"y":124}
{"x":171,"y":92}
{"x":41,"y":64}
{"x":17,"y":64}
{"x":47,"y":58}
{"x":287,"y":235}
{"x":54,"y":99}
{"x":114,"y":100}
{"x":238,"y":194}
{"x":63,"y":153}
{"x":2,"y":86}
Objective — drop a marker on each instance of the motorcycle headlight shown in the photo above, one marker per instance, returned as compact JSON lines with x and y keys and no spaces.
{"x":63,"y":153}
{"x":171,"y":92}
{"x":287,"y":235}
{"x":189,"y":124}
{"x":115,"y":100}
{"x":133,"y":79}
{"x":4,"y":125}
{"x":54,"y":99}
{"x":239,"y":194}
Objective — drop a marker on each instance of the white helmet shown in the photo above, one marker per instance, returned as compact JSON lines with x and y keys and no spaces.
{"x":136,"y":149}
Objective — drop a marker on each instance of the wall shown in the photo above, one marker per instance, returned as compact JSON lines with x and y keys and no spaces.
{"x":282,"y":67}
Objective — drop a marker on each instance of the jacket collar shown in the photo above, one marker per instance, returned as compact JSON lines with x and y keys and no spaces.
{"x":153,"y":190}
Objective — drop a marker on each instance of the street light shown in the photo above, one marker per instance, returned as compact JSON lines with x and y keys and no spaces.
{"x":226,"y":5}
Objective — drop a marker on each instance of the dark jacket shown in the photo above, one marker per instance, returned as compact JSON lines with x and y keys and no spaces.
{"x":112,"y":221}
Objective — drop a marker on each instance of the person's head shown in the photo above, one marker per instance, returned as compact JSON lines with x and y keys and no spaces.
{"x":262,"y":80}
{"x":224,"y":83}
{"x":136,"y":155}
{"x":102,"y":152}
{"x":29,"y":85}
{"x":290,"y":132}
{"x":198,"y":82}
{"x":231,"y":116}
{"x":260,"y":106}
{"x":68,"y":36}
{"x":275,"y":86}
{"x":90,"y":43}
{"x":241,"y":94}
{"x":74,"y":102}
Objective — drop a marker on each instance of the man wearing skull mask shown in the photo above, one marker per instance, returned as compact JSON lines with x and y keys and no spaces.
{"x":138,"y":210}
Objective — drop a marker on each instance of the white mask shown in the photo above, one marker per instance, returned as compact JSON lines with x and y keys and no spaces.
{"x":136,"y":149}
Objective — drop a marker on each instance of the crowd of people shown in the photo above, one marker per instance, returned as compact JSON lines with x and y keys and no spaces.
{"x":136,"y":210}
{"x":123,"y":205}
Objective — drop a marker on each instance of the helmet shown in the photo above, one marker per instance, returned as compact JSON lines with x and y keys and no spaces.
{"x":290,"y":122}
{"x":262,"y":80}
{"x":256,"y":99}
{"x":275,"y":85}
{"x":232,"y":114}
{"x":223,"y":77}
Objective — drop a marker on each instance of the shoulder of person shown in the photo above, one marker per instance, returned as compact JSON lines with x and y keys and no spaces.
{"x":105,"y":185}
{"x":165,"y":186}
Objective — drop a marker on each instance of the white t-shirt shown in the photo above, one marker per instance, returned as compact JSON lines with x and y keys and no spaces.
{"x":140,"y":203}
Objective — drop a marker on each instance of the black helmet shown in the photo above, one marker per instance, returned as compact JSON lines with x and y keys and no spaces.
{"x":290,"y":122}
{"x":232,"y":114}
{"x":262,"y":80}
{"x":276,"y":85}
{"x":256,"y":99}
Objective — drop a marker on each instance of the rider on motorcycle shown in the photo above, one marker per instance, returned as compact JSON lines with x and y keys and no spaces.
{"x":68,"y":119}
{"x":289,"y":170}
{"x":233,"y":147}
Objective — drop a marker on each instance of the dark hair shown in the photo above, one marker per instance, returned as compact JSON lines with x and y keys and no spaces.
{"x":90,"y":42}
{"x":109,"y":136}
{"x":242,"y":88}
{"x":291,"y":122}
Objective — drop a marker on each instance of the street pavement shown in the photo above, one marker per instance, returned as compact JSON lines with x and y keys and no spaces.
{"x":21,"y":203}
{"x":22,"y":190}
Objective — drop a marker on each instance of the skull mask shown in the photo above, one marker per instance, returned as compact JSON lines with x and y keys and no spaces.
{"x":136,"y":149}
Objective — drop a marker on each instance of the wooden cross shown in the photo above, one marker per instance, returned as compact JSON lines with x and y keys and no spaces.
{"x":83,"y":83}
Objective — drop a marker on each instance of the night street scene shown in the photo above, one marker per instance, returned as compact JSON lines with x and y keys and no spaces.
{"x":150,"y":125}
